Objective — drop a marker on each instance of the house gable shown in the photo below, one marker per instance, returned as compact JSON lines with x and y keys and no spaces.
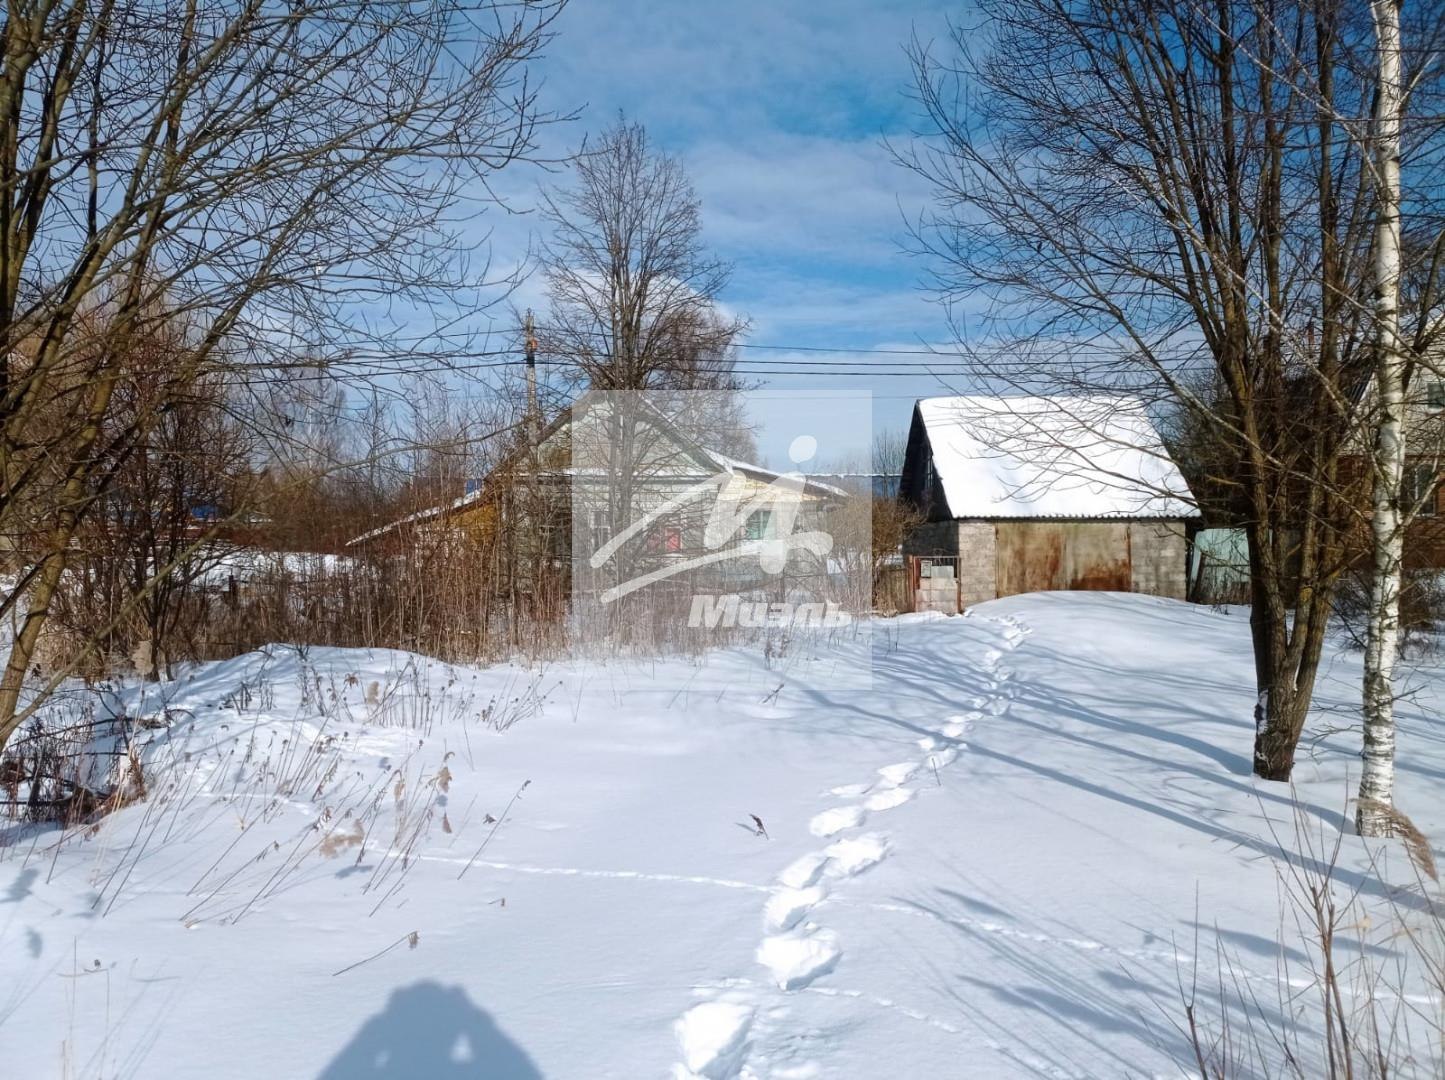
{"x":919,"y":484}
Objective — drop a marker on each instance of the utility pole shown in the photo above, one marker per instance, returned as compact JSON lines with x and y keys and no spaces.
{"x":529,"y":350}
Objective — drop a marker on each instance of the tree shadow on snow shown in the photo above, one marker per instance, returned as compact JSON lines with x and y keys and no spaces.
{"x":1069,"y":1006}
{"x":432,"y":1031}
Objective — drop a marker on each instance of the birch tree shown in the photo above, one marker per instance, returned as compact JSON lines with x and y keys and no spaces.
{"x":1386,"y":524}
{"x":1393,"y":507}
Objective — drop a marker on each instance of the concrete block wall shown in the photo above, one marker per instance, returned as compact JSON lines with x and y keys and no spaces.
{"x":973,"y":543}
{"x":1158,"y":558}
{"x":1157,"y":550}
{"x":977,"y":562}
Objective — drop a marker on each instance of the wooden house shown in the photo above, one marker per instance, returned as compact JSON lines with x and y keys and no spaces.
{"x":620,"y":475}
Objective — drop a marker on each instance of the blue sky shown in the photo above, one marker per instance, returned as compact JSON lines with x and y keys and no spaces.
{"x":779,"y":111}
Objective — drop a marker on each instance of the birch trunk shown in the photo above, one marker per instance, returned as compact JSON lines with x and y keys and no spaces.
{"x":1377,"y":780}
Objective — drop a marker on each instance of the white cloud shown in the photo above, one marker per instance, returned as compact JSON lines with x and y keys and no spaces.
{"x":803,"y":195}
{"x":778,"y":111}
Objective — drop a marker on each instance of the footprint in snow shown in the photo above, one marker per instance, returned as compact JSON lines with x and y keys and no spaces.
{"x":796,"y":959}
{"x":786,"y":907}
{"x":888,"y":799}
{"x":948,"y":736}
{"x":803,"y":871}
{"x":894,"y":775}
{"x":849,"y":791}
{"x":851,"y":856}
{"x":942,"y":758}
{"x":831,"y":822}
{"x":713,"y":1038}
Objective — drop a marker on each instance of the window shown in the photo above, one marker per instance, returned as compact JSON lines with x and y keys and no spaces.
{"x":1435,"y":394}
{"x":601,"y":529}
{"x":757,"y":524}
{"x":1421,"y":481}
{"x":664,"y":536}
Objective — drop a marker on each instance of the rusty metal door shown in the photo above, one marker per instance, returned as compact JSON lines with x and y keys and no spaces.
{"x":1030,"y":556}
{"x":1035,"y":556}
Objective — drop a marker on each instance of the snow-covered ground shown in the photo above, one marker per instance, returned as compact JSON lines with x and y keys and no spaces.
{"x":994,"y":856}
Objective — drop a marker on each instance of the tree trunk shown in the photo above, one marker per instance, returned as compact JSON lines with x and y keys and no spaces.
{"x":1377,"y":781}
{"x":1284,"y":678}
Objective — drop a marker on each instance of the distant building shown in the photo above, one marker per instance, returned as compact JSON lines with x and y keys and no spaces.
{"x":1424,"y":468}
{"x":552,"y":504}
{"x":1025,"y":494}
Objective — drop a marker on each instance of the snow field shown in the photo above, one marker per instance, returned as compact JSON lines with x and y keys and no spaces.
{"x":339,"y":865}
{"x":798,"y":951}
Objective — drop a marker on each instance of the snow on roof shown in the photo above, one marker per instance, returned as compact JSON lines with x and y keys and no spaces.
{"x":420,"y":516}
{"x":1054,"y":457}
{"x":720,"y":461}
{"x":810,"y":483}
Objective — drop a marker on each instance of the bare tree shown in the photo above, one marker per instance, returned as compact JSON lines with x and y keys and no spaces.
{"x":193,"y":466}
{"x":633,"y":291}
{"x":280,"y":177}
{"x":1387,"y":531}
{"x":1160,"y":196}
{"x":634,"y":314}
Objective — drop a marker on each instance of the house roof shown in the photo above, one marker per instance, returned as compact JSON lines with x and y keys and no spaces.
{"x":1050,"y":457}
{"x":811,"y":483}
{"x":707,"y":457}
{"x":419,"y":517}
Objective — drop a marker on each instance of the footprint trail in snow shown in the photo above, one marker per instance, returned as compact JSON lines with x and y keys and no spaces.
{"x":796,"y":950}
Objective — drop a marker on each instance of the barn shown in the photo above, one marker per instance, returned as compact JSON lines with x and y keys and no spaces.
{"x":1029,"y":493}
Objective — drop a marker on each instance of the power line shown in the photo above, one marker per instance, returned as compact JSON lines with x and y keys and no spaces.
{"x":1056,"y":349}
{"x":861,"y":373}
{"x":814,"y":365}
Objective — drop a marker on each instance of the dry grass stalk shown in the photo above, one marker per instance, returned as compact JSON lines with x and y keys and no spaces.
{"x":1417,"y":845}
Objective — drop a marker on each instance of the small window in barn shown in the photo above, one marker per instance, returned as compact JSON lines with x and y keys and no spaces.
{"x":1435,"y":394}
{"x":1422,"y":480}
{"x":757,"y":524}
